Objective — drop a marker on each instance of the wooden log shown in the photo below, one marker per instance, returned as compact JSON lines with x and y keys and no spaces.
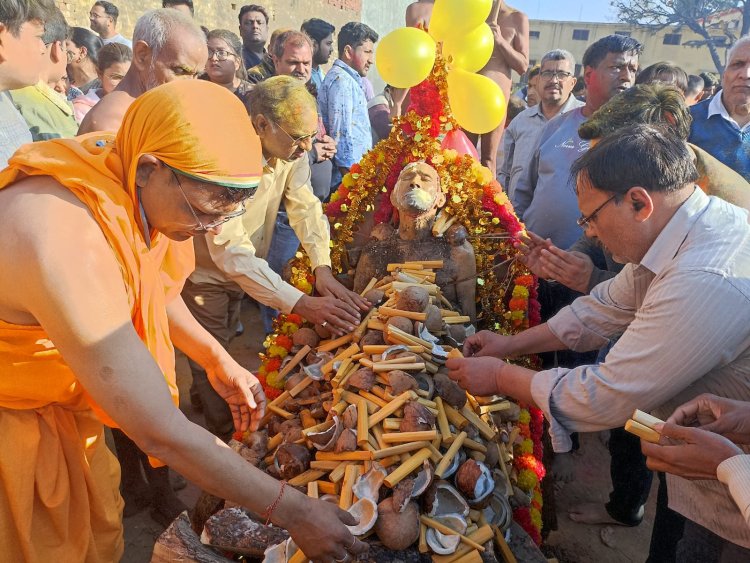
{"x":233,"y":530}
{"x":179,"y":542}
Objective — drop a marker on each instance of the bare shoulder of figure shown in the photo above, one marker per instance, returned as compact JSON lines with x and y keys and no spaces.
{"x":67,"y":267}
{"x":107,"y":114}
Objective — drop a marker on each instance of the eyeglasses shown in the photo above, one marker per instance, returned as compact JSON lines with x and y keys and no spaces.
{"x":221,"y":54}
{"x":559,"y":74}
{"x":213,"y":224}
{"x":583,"y":222}
{"x":298,"y":140}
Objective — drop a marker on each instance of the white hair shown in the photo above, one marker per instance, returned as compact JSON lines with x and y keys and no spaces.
{"x":741,"y":42}
{"x":155,"y":28}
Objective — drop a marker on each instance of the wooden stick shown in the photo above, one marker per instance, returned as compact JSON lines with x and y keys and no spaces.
{"x":393,"y":267}
{"x":401,"y":437}
{"x":476,"y":446}
{"x":372,"y":349}
{"x":429,"y":264}
{"x":442,"y":422}
{"x":275,"y":442}
{"x":324,"y":465}
{"x":413,"y":315}
{"x":373,"y":398}
{"x":390,"y":408}
{"x":375,"y":324}
{"x":312,"y":489}
{"x":358,"y":455}
{"x":338,"y":473}
{"x":423,"y":547}
{"x":306,"y":477}
{"x":362,"y":426}
{"x":360,"y":330}
{"x":409,"y":360}
{"x":298,"y":557}
{"x":392,"y":424}
{"x":642,"y":431}
{"x":501,"y":406}
{"x":350,"y":477}
{"x":328,"y":488}
{"x":331,"y":345}
{"x":646,"y":419}
{"x":472,"y":557}
{"x":436,"y":455}
{"x":298,"y":357}
{"x":350,"y":351}
{"x":407,"y":467}
{"x":454,"y":417}
{"x":281,"y":399}
{"x":419,"y":341}
{"x":281,"y":412}
{"x":443,"y":529}
{"x":380,"y":367}
{"x":457,"y":320}
{"x":481,"y":536}
{"x":450,"y":454}
{"x":503,"y":546}
{"x":369,"y":286}
{"x":400,"y":449}
{"x":484,"y":428}
{"x":301,"y":386}
{"x":431,"y":288}
{"x":377,"y":432}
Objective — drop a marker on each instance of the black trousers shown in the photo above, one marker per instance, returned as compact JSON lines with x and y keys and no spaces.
{"x":668,"y":528}
{"x":631,"y":479}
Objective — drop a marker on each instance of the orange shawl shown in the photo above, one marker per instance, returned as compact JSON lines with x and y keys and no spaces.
{"x":58,"y":482}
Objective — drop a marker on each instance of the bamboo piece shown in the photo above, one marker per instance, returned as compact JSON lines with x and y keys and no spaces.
{"x":407,"y":467}
{"x":443,"y":529}
{"x":350,"y":477}
{"x":413,"y":315}
{"x":366,"y":363}
{"x":643,"y":432}
{"x":401,"y":437}
{"x":477,"y":456}
{"x":312,"y":489}
{"x":375,"y":324}
{"x":307,"y":419}
{"x":380,"y":367}
{"x":306,"y":477}
{"x":417,"y":341}
{"x":373,"y":398}
{"x":455,"y":418}
{"x":390,"y":408}
{"x":450,"y":454}
{"x":350,"y":351}
{"x":409,"y":360}
{"x":449,"y":313}
{"x":352,"y":370}
{"x":331,"y":345}
{"x":362,"y":426}
{"x":442,"y":422}
{"x":503,"y":546}
{"x":281,"y":412}
{"x":281,"y":399}
{"x":301,"y":386}
{"x":387,"y":462}
{"x":427,"y":402}
{"x":369,"y":286}
{"x":472,"y":557}
{"x":381,"y":393}
{"x":358,"y":455}
{"x":484,"y":428}
{"x":392,"y":267}
{"x":431,"y":288}
{"x":495,"y":407}
{"x":421,"y":264}
{"x":481,"y":536}
{"x":423,"y":547}
{"x":457,"y":320}
{"x":377,"y":432}
{"x":436,"y":455}
{"x":392,"y":424}
{"x":298,"y":357}
{"x":341,"y":372}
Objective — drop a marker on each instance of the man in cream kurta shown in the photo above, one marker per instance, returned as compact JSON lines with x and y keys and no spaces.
{"x":232,"y":262}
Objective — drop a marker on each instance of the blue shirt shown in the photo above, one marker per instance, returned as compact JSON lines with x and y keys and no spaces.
{"x":718,"y":134}
{"x":317,"y":77}
{"x":343,"y":109}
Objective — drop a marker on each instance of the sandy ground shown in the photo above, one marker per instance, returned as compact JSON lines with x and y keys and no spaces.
{"x":572,"y":543}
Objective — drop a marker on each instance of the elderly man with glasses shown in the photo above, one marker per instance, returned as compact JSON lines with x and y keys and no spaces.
{"x":48,"y":114}
{"x":246,"y":257}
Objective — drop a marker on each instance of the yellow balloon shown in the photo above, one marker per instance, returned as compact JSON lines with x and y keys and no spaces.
{"x":405,"y":57}
{"x":472,"y":51}
{"x":456,"y":17}
{"x":478,"y":103}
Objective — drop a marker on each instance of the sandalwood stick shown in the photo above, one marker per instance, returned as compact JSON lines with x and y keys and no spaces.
{"x":642,"y":431}
{"x":413,"y":315}
{"x":380,"y":367}
{"x":392,"y":424}
{"x":474,"y":445}
{"x":646,"y":419}
{"x":450,"y":454}
{"x":373,"y":398}
{"x":375,"y":324}
{"x":298,"y":557}
{"x":324,"y":465}
{"x":372,"y":349}
{"x":503,"y":546}
{"x":443,"y":529}
{"x":350,"y":351}
{"x":331,"y":345}
{"x":275,"y":442}
{"x":407,"y":467}
{"x":472,"y":557}
{"x":362,"y":426}
{"x":420,"y":264}
{"x":312,"y":489}
{"x":360,"y":330}
{"x":328,"y":488}
{"x":457,"y":320}
{"x":484,"y":428}
{"x":400,"y":449}
{"x":390,"y":408}
{"x":455,"y":418}
{"x":338,"y":473}
{"x":281,"y":399}
{"x":298,"y":357}
{"x":481,"y":536}
{"x":301,"y":386}
{"x":442,"y":422}
{"x":423,"y":547}
{"x":306,"y":477}
{"x":350,"y":477}
{"x":369,"y":286}
{"x":377,"y":432}
{"x":281,"y":412}
{"x":358,"y":455}
{"x":501,"y":406}
{"x":401,"y":437}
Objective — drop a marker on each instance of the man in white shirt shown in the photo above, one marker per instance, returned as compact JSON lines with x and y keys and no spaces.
{"x":681,"y":303}
{"x":103,"y":20}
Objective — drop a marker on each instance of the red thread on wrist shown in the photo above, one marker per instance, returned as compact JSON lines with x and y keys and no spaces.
{"x":271,"y":507}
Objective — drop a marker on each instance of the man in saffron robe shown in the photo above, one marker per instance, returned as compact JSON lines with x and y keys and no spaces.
{"x":96,"y":247}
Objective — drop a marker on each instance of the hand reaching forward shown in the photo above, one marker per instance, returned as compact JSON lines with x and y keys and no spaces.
{"x":242,"y":392}
{"x":723,"y":416}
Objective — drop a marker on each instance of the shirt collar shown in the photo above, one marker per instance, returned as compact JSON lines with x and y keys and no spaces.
{"x":716,"y":107}
{"x":668,"y":243}
{"x":349,"y":70}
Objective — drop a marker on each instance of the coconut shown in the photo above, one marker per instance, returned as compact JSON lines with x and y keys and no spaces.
{"x":375,"y":296}
{"x":400,"y":323}
{"x":349,"y":417}
{"x":474,"y":480}
{"x":366,"y":512}
{"x":363,"y":378}
{"x":449,"y":390}
{"x":347,"y":441}
{"x":413,"y":298}
{"x":397,"y":530}
{"x":442,"y":498}
{"x":434,"y":320}
{"x":291,"y":429}
{"x":417,"y":417}
{"x":306,"y":337}
{"x":292,"y":460}
{"x":372,"y":338}
{"x":323,"y":331}
{"x":457,"y":333}
{"x":445,"y":544}
{"x":401,"y":381}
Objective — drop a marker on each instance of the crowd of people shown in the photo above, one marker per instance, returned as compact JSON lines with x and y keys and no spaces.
{"x":166,"y":201}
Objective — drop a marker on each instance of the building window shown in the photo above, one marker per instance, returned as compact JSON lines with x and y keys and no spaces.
{"x":623,"y":33}
{"x":580,"y":34}
{"x":672,"y":38}
{"x":533,"y":35}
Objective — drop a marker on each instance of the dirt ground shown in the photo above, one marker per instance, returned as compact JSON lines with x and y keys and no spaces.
{"x":572,"y":543}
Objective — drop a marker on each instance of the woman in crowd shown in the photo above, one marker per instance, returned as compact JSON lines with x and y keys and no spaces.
{"x":82,"y":49}
{"x":112,"y":64}
{"x":224,"y":66}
